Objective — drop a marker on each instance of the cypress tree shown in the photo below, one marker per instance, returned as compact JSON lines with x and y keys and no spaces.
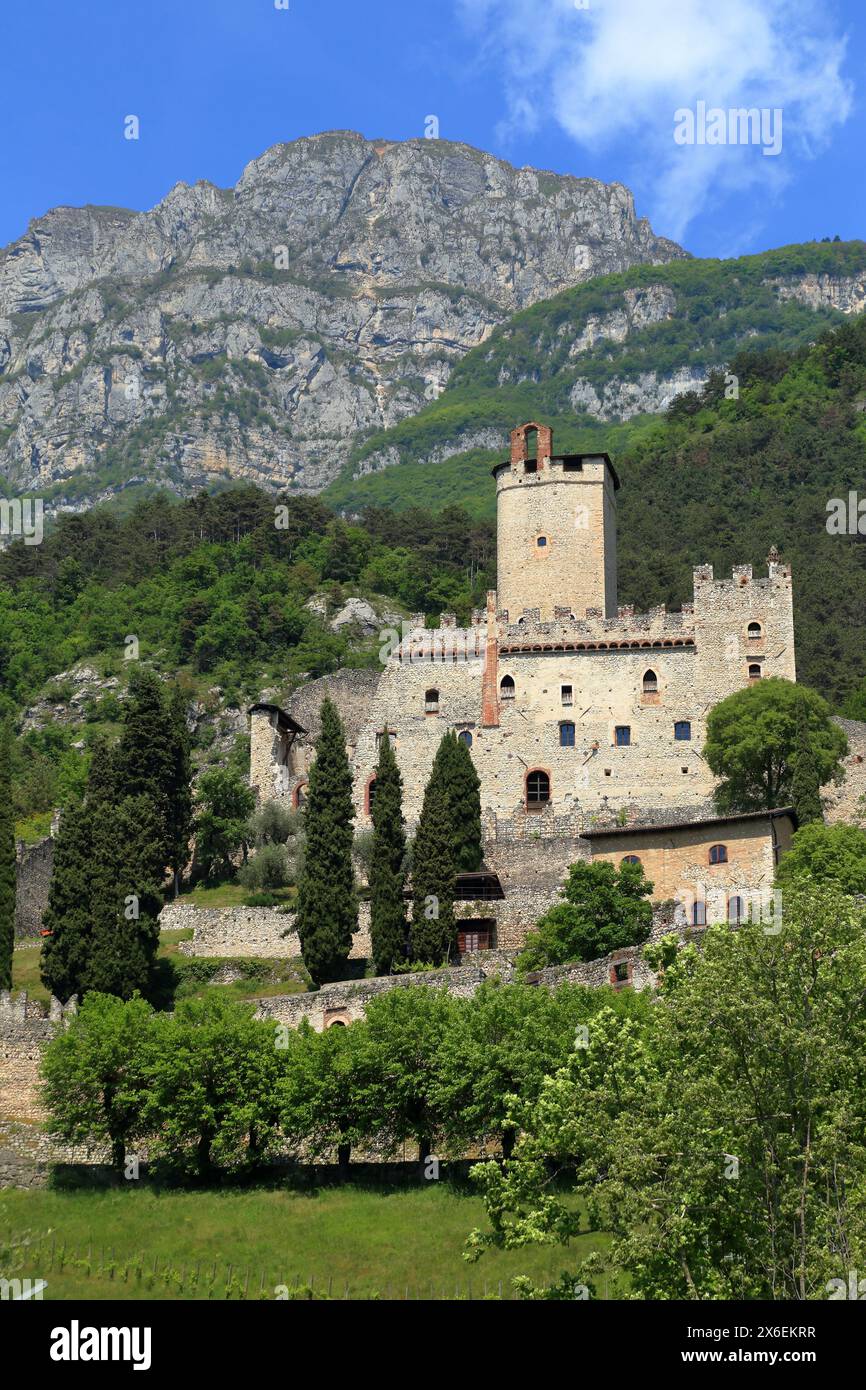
{"x":66,"y":951}
{"x":69,"y":916}
{"x":327,"y":912}
{"x":805,"y":783}
{"x":463,"y":789}
{"x":433,"y":925}
{"x":145,"y":758}
{"x":125,"y":898}
{"x":7,"y":860}
{"x":180,"y":787}
{"x":387,"y":874}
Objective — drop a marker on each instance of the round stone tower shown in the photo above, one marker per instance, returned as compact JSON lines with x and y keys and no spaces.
{"x":555,"y":529}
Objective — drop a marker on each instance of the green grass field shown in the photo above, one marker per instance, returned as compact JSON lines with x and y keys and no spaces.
{"x":140,"y":1243}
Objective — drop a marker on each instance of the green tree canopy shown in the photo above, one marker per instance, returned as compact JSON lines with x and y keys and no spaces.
{"x":752,"y":744}
{"x":95,"y":1074}
{"x":7,"y":860}
{"x":434,"y":929}
{"x":327,"y":914}
{"x":225,"y":804}
{"x":720,"y":1138}
{"x":387,"y":865}
{"x":825,"y":854}
{"x":605,"y":908}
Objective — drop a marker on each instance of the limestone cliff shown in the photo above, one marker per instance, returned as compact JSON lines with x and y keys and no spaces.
{"x":258,"y":332}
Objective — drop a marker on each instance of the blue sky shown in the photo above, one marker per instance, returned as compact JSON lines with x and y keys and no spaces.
{"x":588,"y":87}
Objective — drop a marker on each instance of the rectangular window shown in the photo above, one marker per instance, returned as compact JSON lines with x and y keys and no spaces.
{"x":682,"y":730}
{"x":566,"y":735}
{"x":567,"y":695}
{"x":622,"y":735}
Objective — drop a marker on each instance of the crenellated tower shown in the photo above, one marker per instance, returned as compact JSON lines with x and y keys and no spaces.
{"x":555,"y":529}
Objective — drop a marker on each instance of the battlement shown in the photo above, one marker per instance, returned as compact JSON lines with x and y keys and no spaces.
{"x":592,"y":631}
{"x":742,"y":576}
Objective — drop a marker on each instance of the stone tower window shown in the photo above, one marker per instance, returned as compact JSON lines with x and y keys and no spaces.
{"x":718,"y":854}
{"x":699,"y":914}
{"x":566,"y":735}
{"x":465,"y":737}
{"x":371,"y":795}
{"x":567,"y":695}
{"x":753,"y":632}
{"x":431,"y":701}
{"x":537,"y":789}
{"x":682,"y":730}
{"x":299,"y":795}
{"x":506,"y":688}
{"x":650,"y":683}
{"x":622,"y":735}
{"x":541,"y":542}
{"x":754,"y":671}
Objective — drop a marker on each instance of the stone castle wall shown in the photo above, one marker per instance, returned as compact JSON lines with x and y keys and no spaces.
{"x":25,"y":1029}
{"x":248,"y":931}
{"x":33,"y":868}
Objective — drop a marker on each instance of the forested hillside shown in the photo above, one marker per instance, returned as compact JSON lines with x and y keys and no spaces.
{"x":599,"y":362}
{"x":214,"y":591}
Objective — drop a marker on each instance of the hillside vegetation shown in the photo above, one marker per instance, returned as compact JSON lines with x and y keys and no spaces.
{"x":641,"y":336}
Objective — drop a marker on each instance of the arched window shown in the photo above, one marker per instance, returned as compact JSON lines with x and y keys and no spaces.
{"x":506,"y":688}
{"x":736,"y":909}
{"x":530,"y":462}
{"x":699,"y":914}
{"x":718,"y":854}
{"x":337,"y":1023}
{"x":537,"y":789}
{"x":431,"y":701}
{"x":650,"y":683}
{"x":754,"y":671}
{"x":566,"y":735}
{"x":299,"y":795}
{"x":682,"y":730}
{"x":371,"y":793}
{"x":465,"y":737}
{"x":753,"y":632}
{"x":630,"y":859}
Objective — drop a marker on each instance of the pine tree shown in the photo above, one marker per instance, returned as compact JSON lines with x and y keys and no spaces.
{"x":65,"y":952}
{"x":327,"y":912}
{"x":7,"y":861}
{"x":180,"y":787}
{"x":433,"y":925}
{"x":69,"y":916}
{"x":463,"y":790}
{"x":145,"y":758}
{"x":805,"y":782}
{"x":125,"y":898}
{"x":387,"y":874}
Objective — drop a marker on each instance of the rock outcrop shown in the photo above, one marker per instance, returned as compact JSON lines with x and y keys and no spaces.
{"x":258,"y":332}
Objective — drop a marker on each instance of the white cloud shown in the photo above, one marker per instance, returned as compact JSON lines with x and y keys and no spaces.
{"x":613,"y":75}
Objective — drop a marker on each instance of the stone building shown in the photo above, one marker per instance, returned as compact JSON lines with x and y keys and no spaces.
{"x":581,"y":715}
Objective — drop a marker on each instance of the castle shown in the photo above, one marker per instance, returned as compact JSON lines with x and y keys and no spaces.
{"x":585,"y":720}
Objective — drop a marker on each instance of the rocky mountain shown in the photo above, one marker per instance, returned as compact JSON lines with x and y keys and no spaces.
{"x":260,"y":332}
{"x":598,"y":361}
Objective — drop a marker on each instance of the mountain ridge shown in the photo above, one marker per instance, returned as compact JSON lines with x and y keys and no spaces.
{"x":255,"y":333}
